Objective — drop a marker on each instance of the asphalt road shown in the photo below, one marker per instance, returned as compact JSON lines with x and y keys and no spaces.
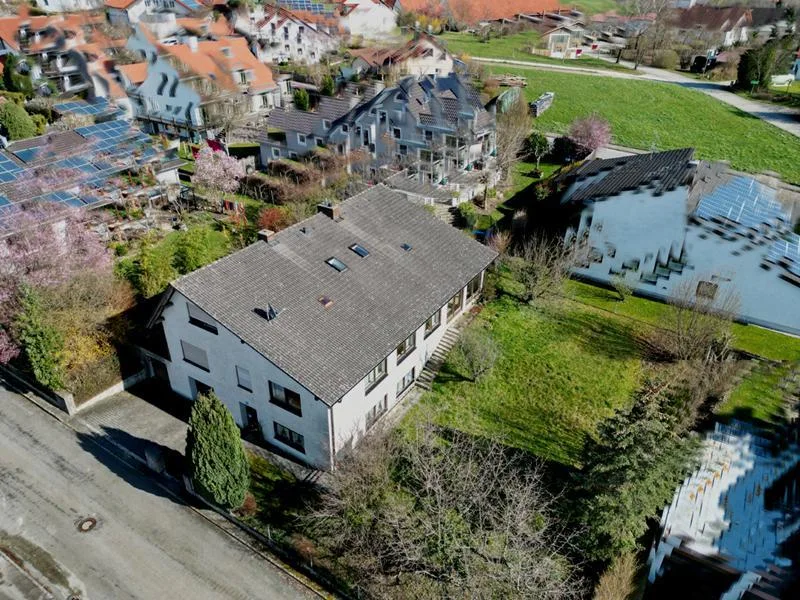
{"x":145,"y":545}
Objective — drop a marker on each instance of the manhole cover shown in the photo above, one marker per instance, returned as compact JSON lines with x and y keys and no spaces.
{"x":86,"y":525}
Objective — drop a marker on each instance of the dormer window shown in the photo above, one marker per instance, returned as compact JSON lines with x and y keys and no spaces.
{"x":226,"y":52}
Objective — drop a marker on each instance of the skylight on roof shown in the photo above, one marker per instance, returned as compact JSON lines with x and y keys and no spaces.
{"x":407,"y":247}
{"x":336,"y":264}
{"x":360,"y":250}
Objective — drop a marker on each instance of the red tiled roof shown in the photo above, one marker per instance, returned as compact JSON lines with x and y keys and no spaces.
{"x":119,"y":4}
{"x":136,"y":73}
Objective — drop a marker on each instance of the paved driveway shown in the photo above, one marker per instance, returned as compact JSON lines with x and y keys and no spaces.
{"x":145,"y":545}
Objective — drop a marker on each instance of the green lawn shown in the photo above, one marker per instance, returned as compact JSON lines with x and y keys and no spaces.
{"x":653,"y":115}
{"x":749,"y":338}
{"x":516,"y":47}
{"x":757,"y":397}
{"x":521,"y":175}
{"x":562,"y":369}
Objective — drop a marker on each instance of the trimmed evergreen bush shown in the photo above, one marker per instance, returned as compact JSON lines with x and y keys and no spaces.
{"x":216,"y":460}
{"x":17,"y":124}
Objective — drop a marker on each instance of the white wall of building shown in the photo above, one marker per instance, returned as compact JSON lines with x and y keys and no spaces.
{"x":52,"y":6}
{"x":369,"y":19}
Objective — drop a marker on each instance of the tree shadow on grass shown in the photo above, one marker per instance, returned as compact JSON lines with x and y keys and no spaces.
{"x":596,"y":334}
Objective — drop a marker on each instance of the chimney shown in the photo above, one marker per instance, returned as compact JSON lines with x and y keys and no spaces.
{"x":191,"y":41}
{"x":330,"y":210}
{"x":266,"y":235}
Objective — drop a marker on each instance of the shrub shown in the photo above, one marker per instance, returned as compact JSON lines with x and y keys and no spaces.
{"x":153,"y":271}
{"x":42,"y":345}
{"x":273,"y":218}
{"x":301,"y":99}
{"x":476,"y":352}
{"x":468,"y":213}
{"x":249,"y":507}
{"x":192,"y":250}
{"x":218,"y":466}
{"x":619,"y":580}
{"x":566,"y":150}
{"x":16,"y":123}
{"x":328,"y":87}
{"x":666,"y":59}
{"x":40,"y":123}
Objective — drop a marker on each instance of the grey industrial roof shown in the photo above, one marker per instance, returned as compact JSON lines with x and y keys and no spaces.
{"x":661,"y":170}
{"x":377,"y":302}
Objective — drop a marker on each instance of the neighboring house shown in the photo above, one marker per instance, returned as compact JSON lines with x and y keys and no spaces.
{"x":62,"y":6}
{"x":309,"y":336}
{"x":75,"y":168}
{"x":195,"y":89}
{"x":662,"y":222}
{"x":796,"y":67}
{"x":435,"y":125}
{"x":279,"y":35}
{"x":371,"y":19}
{"x":474,"y":12}
{"x":613,"y":27}
{"x":129,"y":12}
{"x":717,"y":26}
{"x":423,"y":55}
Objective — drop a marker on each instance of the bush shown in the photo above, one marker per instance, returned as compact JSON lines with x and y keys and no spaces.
{"x":476,"y":352}
{"x":16,"y":123}
{"x":565,"y":151}
{"x":193,"y":250}
{"x":666,"y":59}
{"x":301,"y":99}
{"x":273,"y":218}
{"x":42,"y":345}
{"x":40,"y":123}
{"x":468,"y":213}
{"x":218,"y":466}
{"x":153,"y":271}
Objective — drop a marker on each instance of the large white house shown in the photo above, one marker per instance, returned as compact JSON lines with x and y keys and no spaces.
{"x":310,"y":335}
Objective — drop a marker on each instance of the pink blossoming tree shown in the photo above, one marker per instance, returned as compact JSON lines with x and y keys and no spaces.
{"x":49,"y":247}
{"x":217,"y":173}
{"x":592,"y":132}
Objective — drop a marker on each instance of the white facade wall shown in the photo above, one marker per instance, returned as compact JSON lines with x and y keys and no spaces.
{"x":52,"y":6}
{"x":287,"y":39}
{"x":225,"y":352}
{"x":126,"y":16}
{"x":441,"y":63}
{"x":326,"y":430}
{"x":162,"y":108}
{"x":369,"y":19}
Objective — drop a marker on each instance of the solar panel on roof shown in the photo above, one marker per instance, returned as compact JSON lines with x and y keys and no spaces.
{"x":743,"y":201}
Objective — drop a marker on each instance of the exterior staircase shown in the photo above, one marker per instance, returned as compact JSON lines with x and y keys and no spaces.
{"x":435,"y":362}
{"x":446,"y":213}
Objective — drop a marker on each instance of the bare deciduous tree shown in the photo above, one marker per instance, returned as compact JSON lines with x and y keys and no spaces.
{"x":697,"y":325}
{"x":542,"y":265}
{"x":513,"y":128}
{"x":434,"y":514}
{"x":476,"y":352}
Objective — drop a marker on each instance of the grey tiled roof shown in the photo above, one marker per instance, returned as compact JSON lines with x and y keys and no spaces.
{"x":300,"y":121}
{"x":410,"y":183}
{"x":662,"y":170}
{"x":377,"y":302}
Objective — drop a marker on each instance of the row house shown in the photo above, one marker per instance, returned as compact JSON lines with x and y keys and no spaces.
{"x":371,"y":19}
{"x":311,"y":335}
{"x":130,"y":12}
{"x":278,"y":35}
{"x":423,"y":55}
{"x":64,"y":6}
{"x":438,"y":126}
{"x":197,"y":89}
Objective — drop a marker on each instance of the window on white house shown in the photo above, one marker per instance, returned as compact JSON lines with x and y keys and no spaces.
{"x":320,"y":142}
{"x":376,"y":375}
{"x":293,"y":155}
{"x":454,"y":305}
{"x":428,"y":136}
{"x":403,"y":150}
{"x":327,"y":124}
{"x":406,"y":347}
{"x":301,"y":138}
{"x":345,"y":128}
{"x":195,"y":356}
{"x":285,"y":398}
{"x":242,"y":77}
{"x":474,"y":286}
{"x":243,"y":379}
{"x":200,"y":319}
{"x":374,"y":413}
{"x":405,"y":382}
{"x":433,"y":322}
{"x":276,"y":153}
{"x":291,"y":438}
{"x":396,"y":133}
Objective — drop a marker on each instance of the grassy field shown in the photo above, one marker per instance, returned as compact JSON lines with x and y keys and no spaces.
{"x":517,"y":47}
{"x":536,"y":397}
{"x":652,"y":115}
{"x":749,"y":338}
{"x":757,"y":397}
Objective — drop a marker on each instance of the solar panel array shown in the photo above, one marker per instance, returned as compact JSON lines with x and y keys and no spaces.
{"x":98,"y":106}
{"x":192,"y":5}
{"x":317,"y":8}
{"x":786,"y":252}
{"x":89,"y":168}
{"x":744,"y":202}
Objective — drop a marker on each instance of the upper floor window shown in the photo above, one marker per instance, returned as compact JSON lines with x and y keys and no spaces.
{"x":396,"y":133}
{"x":285,"y":398}
{"x":345,"y":127}
{"x":200,"y":319}
{"x":195,"y":356}
{"x":242,"y":76}
{"x":428,"y":136}
{"x":301,"y":139}
{"x":243,"y":379}
{"x":406,"y":347}
{"x":327,"y":124}
{"x":376,"y":375}
{"x":433,"y":322}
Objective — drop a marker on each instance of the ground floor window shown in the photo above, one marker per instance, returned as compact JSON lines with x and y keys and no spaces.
{"x":291,"y":438}
{"x":474,"y":286}
{"x":195,"y":356}
{"x":374,"y":413}
{"x":405,"y":382}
